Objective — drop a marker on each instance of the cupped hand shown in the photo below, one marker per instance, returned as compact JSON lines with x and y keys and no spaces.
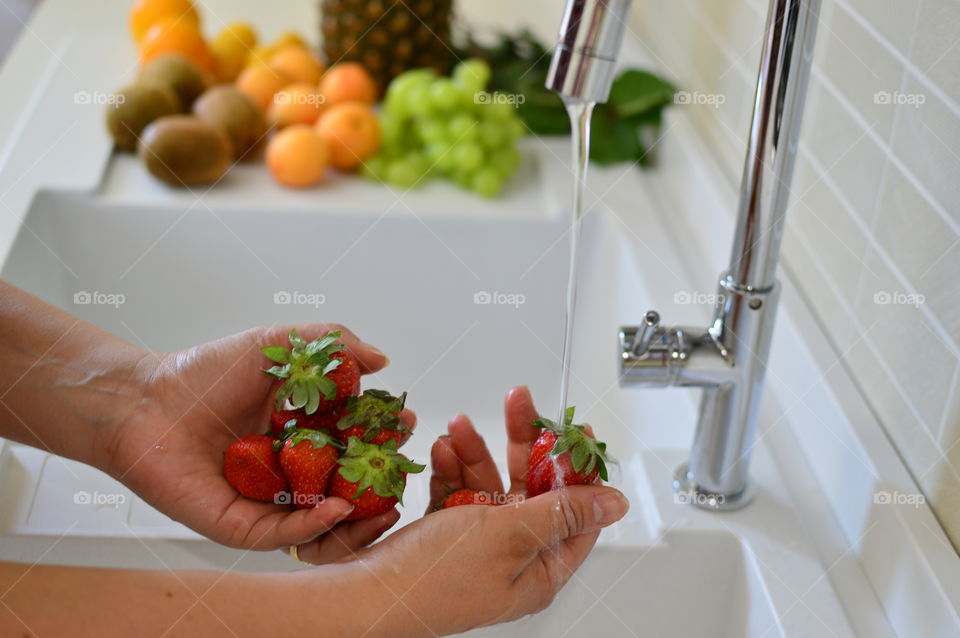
{"x":493,"y":564}
{"x":199,"y":400}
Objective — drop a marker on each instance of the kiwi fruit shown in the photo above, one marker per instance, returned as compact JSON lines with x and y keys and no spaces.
{"x":184,"y":150}
{"x":174,"y":70}
{"x":135,"y":107}
{"x":234,"y":112}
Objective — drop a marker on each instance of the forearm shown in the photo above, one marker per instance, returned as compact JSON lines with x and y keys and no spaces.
{"x":101,"y":603}
{"x":64,"y":384}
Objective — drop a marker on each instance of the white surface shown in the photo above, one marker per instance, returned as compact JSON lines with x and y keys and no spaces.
{"x":194,"y":273}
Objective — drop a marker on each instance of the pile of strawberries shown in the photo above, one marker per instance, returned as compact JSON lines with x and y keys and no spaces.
{"x":561,"y":455}
{"x":326,"y":438}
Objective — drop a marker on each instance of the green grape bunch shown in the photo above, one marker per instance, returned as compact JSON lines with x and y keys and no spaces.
{"x":447,"y":127}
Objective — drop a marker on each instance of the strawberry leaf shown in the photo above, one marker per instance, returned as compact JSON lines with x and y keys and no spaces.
{"x":277,"y":354}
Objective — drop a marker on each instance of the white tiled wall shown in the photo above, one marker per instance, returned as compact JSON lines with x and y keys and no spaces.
{"x":875,"y":215}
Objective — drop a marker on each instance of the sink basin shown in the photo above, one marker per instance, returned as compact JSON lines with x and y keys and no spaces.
{"x":692,"y":584}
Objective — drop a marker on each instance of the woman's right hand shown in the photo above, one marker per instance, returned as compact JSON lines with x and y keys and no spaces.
{"x":471,"y":566}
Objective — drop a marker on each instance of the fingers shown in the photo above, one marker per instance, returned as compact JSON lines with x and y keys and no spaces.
{"x":478,"y":469}
{"x":460,"y":460}
{"x":370,"y":358}
{"x":346,"y":539}
{"x":284,"y":528}
{"x":563,"y":514}
{"x":519,"y":413}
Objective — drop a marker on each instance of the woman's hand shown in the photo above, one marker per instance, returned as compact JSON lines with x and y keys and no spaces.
{"x":492,"y":564}
{"x":170,"y":451}
{"x":475,"y":565}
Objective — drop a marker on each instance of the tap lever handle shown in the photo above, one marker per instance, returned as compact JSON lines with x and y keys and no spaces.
{"x":648,"y":329}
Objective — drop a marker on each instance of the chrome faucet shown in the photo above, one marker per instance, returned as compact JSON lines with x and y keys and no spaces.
{"x":728,"y":358}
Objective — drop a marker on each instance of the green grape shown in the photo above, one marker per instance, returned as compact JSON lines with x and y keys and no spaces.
{"x":472,"y":74}
{"x":444,"y":95}
{"x":515,"y":128}
{"x":506,"y":161}
{"x":468,"y":156}
{"x":391,"y":129}
{"x":402,"y":173}
{"x":493,"y":134}
{"x":373,"y":167}
{"x":440,"y":156}
{"x":487,"y":182}
{"x":418,"y":101}
{"x":463,"y":128}
{"x":431,"y":131}
{"x":420,"y":161}
{"x":497,"y":110}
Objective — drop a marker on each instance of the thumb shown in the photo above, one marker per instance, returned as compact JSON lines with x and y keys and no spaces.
{"x":572,"y":511}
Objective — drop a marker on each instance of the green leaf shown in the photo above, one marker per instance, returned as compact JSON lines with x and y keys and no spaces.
{"x":279,"y":372}
{"x":277,"y":354}
{"x":327,"y":387}
{"x":637,"y":92}
{"x":313,"y":399}
{"x":300,"y":395}
{"x":579,"y":457}
{"x":295,"y":340}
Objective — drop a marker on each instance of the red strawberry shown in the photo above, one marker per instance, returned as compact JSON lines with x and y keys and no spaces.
{"x":372,"y":477}
{"x":315,"y":421}
{"x":373,"y":417}
{"x":318,"y":376}
{"x":308,"y":458}
{"x":564,"y":456}
{"x":251,"y":466}
{"x":466,"y":497}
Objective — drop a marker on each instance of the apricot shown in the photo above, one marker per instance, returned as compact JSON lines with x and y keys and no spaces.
{"x":173,"y":35}
{"x":146,"y":13}
{"x":297,"y":156}
{"x":348,"y":82}
{"x":297,"y":103}
{"x":298,"y":63}
{"x":259,"y":82}
{"x":352,"y":132}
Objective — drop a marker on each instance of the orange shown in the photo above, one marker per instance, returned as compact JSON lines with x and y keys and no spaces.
{"x":297,"y":103}
{"x":348,"y":82}
{"x":259,"y":82}
{"x":230,"y":49}
{"x":297,"y":156}
{"x":298,"y":63}
{"x":176,"y":36}
{"x":352,"y":132}
{"x":145,"y":13}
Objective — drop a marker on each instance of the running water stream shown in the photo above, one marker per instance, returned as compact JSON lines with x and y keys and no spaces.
{"x":580,"y":113}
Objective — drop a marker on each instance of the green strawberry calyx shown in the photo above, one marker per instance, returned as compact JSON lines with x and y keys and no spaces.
{"x":295,"y":435}
{"x":304,"y":368}
{"x":374,"y":410}
{"x":379,"y":467}
{"x":585,"y":453}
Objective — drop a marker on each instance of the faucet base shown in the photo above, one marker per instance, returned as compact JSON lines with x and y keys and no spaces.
{"x":687,"y":492}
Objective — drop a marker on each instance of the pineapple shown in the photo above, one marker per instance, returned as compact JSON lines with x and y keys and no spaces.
{"x":387,"y":36}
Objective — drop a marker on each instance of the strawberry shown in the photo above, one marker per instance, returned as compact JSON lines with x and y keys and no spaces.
{"x":308,"y":458}
{"x":373,"y":417}
{"x":251,"y":466}
{"x":567,"y":450}
{"x":466,"y":497}
{"x":372,"y":477}
{"x":315,"y":421}
{"x":318,"y":376}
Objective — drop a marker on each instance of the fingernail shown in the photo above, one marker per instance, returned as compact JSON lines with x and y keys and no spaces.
{"x":378,"y":351}
{"x":609,"y":507}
